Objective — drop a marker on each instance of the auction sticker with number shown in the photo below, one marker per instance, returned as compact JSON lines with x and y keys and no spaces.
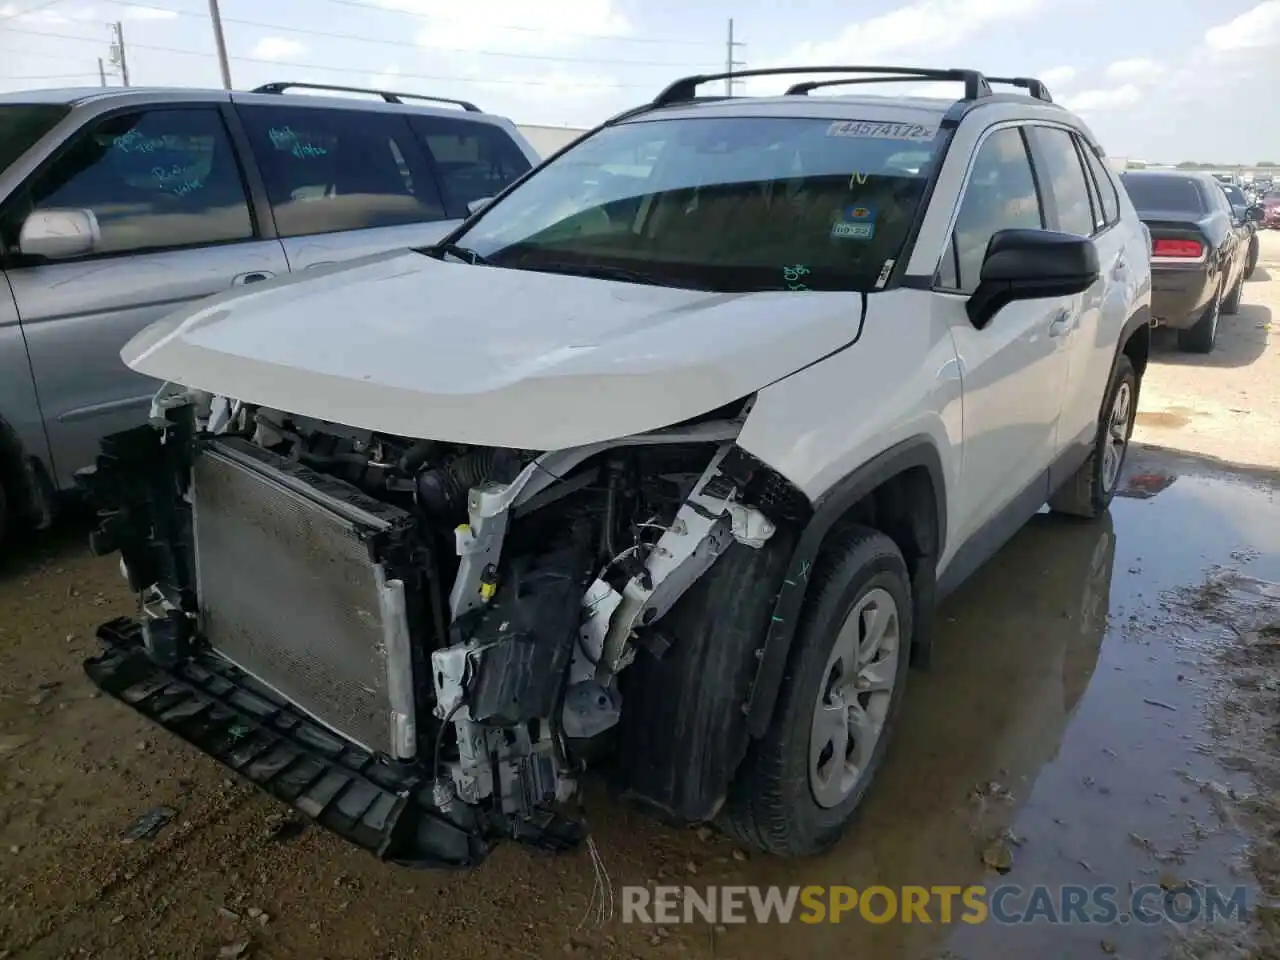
{"x":881,"y":130}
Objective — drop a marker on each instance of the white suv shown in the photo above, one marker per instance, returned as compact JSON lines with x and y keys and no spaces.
{"x":657,"y":464}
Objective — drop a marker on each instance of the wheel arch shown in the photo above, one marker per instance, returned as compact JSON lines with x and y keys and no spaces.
{"x":1135,"y":340}
{"x":902,"y":492}
{"x":22,"y":479}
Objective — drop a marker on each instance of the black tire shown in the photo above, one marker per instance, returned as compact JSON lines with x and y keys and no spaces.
{"x":1252,"y":263}
{"x":1089,"y":492}
{"x":4,"y":513}
{"x":1201,"y":337}
{"x":771,"y":805}
{"x":1231,"y":305}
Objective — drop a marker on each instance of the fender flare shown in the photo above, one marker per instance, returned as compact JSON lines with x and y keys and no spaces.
{"x":917,"y":451}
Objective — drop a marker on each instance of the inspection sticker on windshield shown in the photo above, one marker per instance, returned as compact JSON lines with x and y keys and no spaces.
{"x":881,"y":130}
{"x":857,"y":222}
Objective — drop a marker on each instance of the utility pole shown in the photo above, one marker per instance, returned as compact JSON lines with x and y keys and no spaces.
{"x":102,"y":73}
{"x":118,"y":58}
{"x":220,"y":42}
{"x":730,"y":62}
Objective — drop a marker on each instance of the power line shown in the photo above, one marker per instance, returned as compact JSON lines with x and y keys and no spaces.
{"x":55,"y":76}
{"x":436,"y":78}
{"x":665,"y":41}
{"x":306,"y":31}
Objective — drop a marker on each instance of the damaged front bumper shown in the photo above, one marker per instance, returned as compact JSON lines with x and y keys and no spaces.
{"x":391,"y":810}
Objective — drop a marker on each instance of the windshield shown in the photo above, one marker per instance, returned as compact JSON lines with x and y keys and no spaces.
{"x":1178,"y":194}
{"x":21,"y":125}
{"x":732,"y":204}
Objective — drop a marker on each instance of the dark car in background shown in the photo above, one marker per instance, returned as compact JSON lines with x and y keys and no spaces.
{"x":1244,"y":217}
{"x":1198,"y":256}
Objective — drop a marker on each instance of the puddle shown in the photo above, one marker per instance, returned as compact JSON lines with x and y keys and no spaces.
{"x":1170,"y":419}
{"x":1076,"y":673}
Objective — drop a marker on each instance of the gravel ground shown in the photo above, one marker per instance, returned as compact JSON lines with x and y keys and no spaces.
{"x":1048,"y":667}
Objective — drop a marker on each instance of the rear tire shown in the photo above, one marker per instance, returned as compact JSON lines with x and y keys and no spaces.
{"x":1091,"y":489}
{"x":1201,"y":337}
{"x":801,"y":784}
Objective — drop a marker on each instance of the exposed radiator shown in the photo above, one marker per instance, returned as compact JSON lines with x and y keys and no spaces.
{"x":290,"y":593}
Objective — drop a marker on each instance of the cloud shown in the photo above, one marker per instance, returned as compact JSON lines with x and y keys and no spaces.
{"x":1134,"y":69}
{"x":1094,"y":101}
{"x":1057,"y":76}
{"x":276,"y":48}
{"x":1252,"y":30}
{"x":58,"y":14}
{"x":513,"y":26}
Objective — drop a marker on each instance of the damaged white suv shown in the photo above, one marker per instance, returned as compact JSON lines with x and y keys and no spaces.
{"x":657,"y":465}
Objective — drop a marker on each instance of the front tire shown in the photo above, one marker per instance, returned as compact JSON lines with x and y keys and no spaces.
{"x":1232,"y":304}
{"x":802,"y":782}
{"x":1091,"y":489}
{"x":1252,"y":262}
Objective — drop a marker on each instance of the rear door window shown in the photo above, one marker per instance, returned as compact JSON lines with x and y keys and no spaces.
{"x":473,"y":160}
{"x":330,"y":170}
{"x":154,"y":179}
{"x":1066,"y":180}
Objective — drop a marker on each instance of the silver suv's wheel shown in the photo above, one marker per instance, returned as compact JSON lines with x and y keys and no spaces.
{"x":801,"y":783}
{"x":1090,"y":491}
{"x":853,"y":704}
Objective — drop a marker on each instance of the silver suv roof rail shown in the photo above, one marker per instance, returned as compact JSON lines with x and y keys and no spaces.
{"x":387,"y":95}
{"x":685,"y":89}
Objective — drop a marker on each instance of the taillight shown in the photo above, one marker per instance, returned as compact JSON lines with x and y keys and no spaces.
{"x":1186,"y":249}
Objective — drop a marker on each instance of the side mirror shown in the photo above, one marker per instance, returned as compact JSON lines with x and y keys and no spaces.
{"x":478,"y":204}
{"x":1031,"y":265}
{"x":59,"y":233}
{"x":1253,"y":214}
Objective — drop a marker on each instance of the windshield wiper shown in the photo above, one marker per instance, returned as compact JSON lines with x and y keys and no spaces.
{"x":438,"y":250}
{"x":599,"y":271}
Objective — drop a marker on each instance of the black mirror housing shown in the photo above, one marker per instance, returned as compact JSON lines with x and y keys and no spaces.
{"x":1253,"y":214}
{"x":1030,"y":265}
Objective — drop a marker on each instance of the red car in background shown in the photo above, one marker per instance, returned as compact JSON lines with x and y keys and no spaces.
{"x":1271,"y":212}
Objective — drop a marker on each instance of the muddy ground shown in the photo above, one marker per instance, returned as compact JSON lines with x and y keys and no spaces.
{"x":1104,"y":708}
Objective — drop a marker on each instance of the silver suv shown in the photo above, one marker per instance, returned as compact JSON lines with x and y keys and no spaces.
{"x":117,"y":206}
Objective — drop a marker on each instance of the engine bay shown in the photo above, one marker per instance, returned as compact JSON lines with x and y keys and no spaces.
{"x":465,"y":612}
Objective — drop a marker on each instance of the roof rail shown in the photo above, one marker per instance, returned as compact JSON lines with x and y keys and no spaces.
{"x":684,"y":89}
{"x":1030,"y":84}
{"x":387,"y":95}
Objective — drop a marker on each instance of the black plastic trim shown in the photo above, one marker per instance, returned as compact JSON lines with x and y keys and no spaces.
{"x":381,"y":807}
{"x":918,"y":451}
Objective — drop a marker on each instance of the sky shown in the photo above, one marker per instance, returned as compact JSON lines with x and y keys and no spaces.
{"x":1181,"y":80}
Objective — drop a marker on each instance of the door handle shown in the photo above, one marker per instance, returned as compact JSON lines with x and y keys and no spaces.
{"x":255,"y":276}
{"x":1063,"y":323}
{"x":1120,"y":269}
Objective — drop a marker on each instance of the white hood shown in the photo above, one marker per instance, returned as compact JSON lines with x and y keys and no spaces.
{"x":409,"y":345}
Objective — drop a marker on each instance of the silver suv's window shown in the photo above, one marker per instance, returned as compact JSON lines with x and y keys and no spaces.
{"x":1001,"y":195}
{"x":472,"y":160}
{"x":328,"y":170}
{"x":1065,"y":177}
{"x":21,"y":125}
{"x":156,"y":179}
{"x":743,"y":203}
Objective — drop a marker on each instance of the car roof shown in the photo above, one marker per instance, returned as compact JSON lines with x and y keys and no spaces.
{"x":78,"y":96}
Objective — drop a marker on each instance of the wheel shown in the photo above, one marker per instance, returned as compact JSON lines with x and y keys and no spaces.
{"x":801,"y":783}
{"x":1201,"y":337}
{"x":4,"y":513}
{"x":1231,"y":305}
{"x":1252,"y":263}
{"x":1092,"y":488}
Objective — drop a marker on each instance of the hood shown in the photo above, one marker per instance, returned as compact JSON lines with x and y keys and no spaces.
{"x":409,"y":345}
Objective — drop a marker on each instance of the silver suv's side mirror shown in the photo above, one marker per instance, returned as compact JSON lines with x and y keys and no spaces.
{"x":59,"y":233}
{"x":478,"y":204}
